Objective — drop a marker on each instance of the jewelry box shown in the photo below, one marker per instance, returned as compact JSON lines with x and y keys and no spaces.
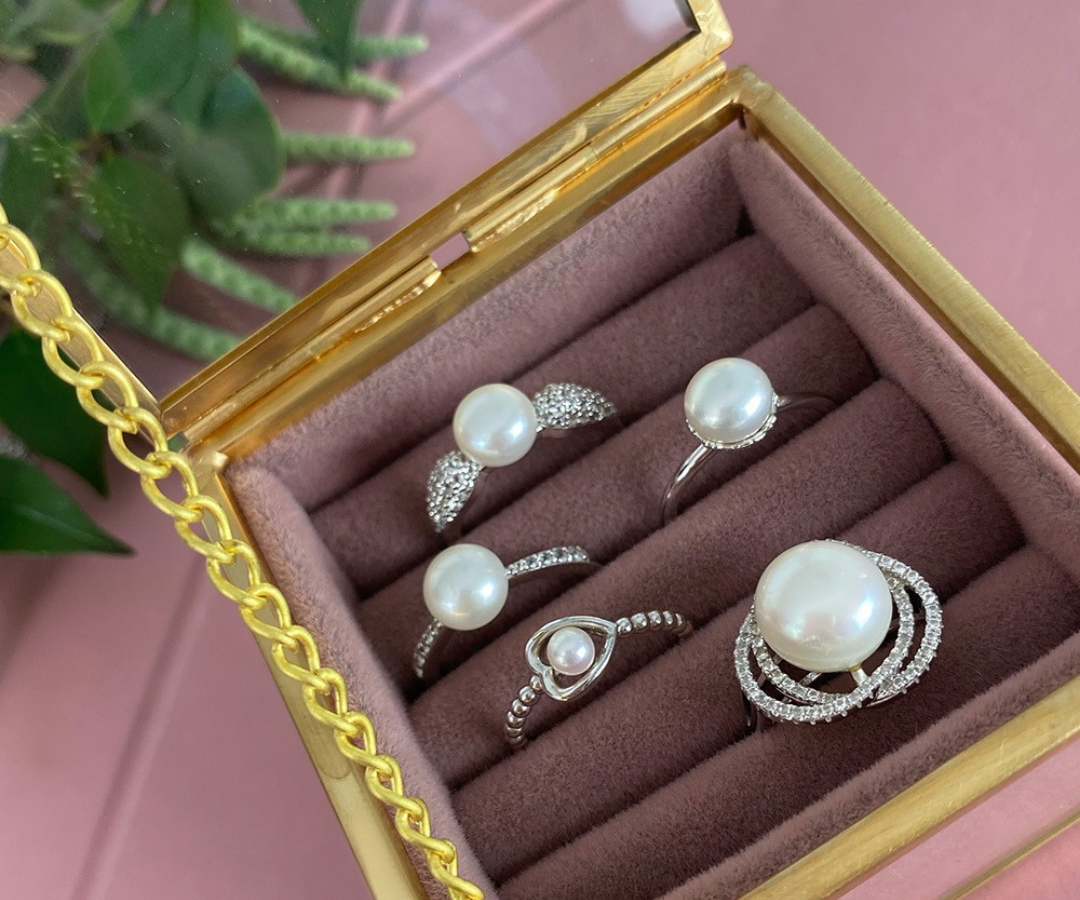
{"x":686,"y":213}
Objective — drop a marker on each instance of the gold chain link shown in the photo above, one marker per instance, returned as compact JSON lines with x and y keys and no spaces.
{"x":43,"y":307}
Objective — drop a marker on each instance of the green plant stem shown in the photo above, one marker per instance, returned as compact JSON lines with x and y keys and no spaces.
{"x":365,"y":48}
{"x":297,"y":243}
{"x":264,"y":47}
{"x":124,"y":304}
{"x":202,"y":261}
{"x":311,"y":212}
{"x":306,"y":147}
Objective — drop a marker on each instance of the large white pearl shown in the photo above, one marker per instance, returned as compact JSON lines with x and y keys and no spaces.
{"x":495,"y":425}
{"x":465,"y":587}
{"x":728,"y":401}
{"x":570,"y":651}
{"x":823,"y":606}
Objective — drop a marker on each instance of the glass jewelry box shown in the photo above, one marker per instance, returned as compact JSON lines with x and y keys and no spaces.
{"x":686,"y":213}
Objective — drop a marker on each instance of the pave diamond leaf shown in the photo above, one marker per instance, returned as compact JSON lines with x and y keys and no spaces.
{"x":562,"y":406}
{"x":601,"y":628}
{"x":450,"y":485}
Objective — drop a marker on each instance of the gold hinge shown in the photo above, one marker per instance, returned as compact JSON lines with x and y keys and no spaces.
{"x":274,"y":369}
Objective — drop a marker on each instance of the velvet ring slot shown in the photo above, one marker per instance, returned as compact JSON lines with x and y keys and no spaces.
{"x":725,"y":253}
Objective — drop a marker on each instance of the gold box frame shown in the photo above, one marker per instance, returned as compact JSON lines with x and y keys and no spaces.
{"x":509,"y":216}
{"x":548,"y":189}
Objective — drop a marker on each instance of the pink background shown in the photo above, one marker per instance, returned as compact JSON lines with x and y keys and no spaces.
{"x":143,"y":747}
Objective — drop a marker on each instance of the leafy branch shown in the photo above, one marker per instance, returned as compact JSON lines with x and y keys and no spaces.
{"x":151,"y":151}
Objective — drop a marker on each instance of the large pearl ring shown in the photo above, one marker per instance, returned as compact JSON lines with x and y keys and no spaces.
{"x":465,"y":588}
{"x":568,"y":655}
{"x":730,"y":404}
{"x":825,"y":607}
{"x":495,"y":426}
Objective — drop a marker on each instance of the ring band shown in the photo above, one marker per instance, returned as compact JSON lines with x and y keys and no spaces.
{"x":465,"y":588}
{"x":569,"y":645}
{"x":495,"y":426}
{"x":730,"y":404}
{"x":861,"y":611}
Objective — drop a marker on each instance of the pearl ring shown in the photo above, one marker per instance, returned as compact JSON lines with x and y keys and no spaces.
{"x":496,"y":425}
{"x":730,"y":404}
{"x":465,"y":588}
{"x":826,"y":607}
{"x":566,"y":661}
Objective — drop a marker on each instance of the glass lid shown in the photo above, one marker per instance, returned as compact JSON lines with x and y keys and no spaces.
{"x":193,"y":168}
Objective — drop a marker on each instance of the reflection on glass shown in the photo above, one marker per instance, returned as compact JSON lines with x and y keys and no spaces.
{"x":193,"y":167}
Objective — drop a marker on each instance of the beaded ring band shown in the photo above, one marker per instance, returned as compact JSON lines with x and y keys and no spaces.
{"x":495,"y":426}
{"x":730,"y":404}
{"x":825,"y":607}
{"x":567,"y":649}
{"x":465,"y":588}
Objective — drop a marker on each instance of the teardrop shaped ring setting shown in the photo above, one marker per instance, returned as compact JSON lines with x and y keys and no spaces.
{"x":568,"y":655}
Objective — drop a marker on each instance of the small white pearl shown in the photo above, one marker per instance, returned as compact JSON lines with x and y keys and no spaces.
{"x":728,"y":401}
{"x":570,"y":651}
{"x":823,"y":606}
{"x":465,"y":587}
{"x":495,"y":425}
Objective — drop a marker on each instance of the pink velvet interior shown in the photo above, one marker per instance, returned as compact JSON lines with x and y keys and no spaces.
{"x":649,"y":786}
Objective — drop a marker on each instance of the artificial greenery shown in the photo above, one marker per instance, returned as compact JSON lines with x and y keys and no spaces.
{"x":149,"y":150}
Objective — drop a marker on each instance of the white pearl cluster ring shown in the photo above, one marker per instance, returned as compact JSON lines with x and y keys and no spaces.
{"x":826,"y":607}
{"x":567,"y":656}
{"x":495,"y":426}
{"x":466,"y":586}
{"x":730,"y":404}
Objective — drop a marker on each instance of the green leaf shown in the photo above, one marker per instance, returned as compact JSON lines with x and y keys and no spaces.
{"x":233,"y":154}
{"x":144,"y":220}
{"x":26,"y":179}
{"x":217,"y":45}
{"x":134,"y":71}
{"x":61,"y":22}
{"x":334,"y":21}
{"x":110,"y":95}
{"x":42,"y":411}
{"x":38,"y":517}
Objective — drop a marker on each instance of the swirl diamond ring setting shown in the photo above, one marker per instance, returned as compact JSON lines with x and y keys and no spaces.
{"x":566,"y":662}
{"x":495,"y":426}
{"x":730,"y":404}
{"x":825,"y":607}
{"x":466,"y":586}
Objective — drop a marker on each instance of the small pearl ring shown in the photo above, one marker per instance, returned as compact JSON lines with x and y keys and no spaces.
{"x":825,"y":607}
{"x":465,"y":588}
{"x":730,"y":404}
{"x":565,"y":659}
{"x":495,"y":426}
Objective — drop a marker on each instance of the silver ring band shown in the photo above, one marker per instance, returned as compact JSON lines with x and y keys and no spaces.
{"x":544,"y":680}
{"x":455,"y":478}
{"x":705,"y":451}
{"x":434,"y":637}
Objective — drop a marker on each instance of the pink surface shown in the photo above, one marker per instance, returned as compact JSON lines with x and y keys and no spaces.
{"x":124,"y":758}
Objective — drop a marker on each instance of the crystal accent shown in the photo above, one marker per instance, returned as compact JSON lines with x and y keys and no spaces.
{"x":561,"y":406}
{"x":545,"y":559}
{"x":450,"y":485}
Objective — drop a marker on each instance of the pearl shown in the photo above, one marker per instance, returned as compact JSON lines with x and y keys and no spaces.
{"x":570,"y":651}
{"x":728,"y":401}
{"x":823,"y":606}
{"x":465,"y":587}
{"x":495,"y":425}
